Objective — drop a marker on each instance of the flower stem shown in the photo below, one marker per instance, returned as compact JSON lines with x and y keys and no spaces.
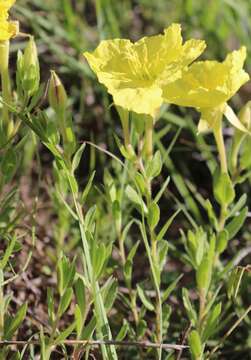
{"x":149,"y":138}
{"x":221,"y":147}
{"x":5,"y":82}
{"x":126,"y":132}
{"x":202,"y":309}
{"x":224,"y":168}
{"x":154,"y":253}
{"x":1,"y":305}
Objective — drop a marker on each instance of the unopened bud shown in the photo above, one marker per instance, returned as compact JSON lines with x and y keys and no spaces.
{"x":30,"y":54}
{"x":28,"y":76}
{"x":57,"y":94}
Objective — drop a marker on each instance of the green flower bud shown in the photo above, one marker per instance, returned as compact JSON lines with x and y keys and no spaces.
{"x":57,"y":94}
{"x":28,"y":70}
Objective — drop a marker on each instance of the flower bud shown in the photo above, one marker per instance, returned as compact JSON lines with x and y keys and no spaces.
{"x":57,"y":94}
{"x":28,"y":70}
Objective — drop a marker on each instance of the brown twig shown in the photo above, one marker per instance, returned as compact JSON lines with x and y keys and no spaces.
{"x":183,"y":340}
{"x":144,"y":344}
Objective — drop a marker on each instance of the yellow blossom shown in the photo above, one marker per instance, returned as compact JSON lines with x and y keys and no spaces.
{"x":135,"y":73}
{"x":8,"y":29}
{"x":207,"y":86}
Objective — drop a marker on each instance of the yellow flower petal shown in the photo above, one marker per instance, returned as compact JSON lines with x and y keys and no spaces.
{"x":208,"y":84}
{"x":5,"y":5}
{"x":8,"y":30}
{"x":140,"y":100}
{"x":134,"y":73}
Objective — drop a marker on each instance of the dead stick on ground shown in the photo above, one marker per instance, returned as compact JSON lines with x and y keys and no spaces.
{"x":100,"y":342}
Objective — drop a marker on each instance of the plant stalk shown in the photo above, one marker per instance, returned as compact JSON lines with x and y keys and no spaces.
{"x":101,"y":317}
{"x":149,"y":154}
{"x":223,"y":164}
{"x":6,"y":88}
{"x":149,"y":138}
{"x":221,"y":147}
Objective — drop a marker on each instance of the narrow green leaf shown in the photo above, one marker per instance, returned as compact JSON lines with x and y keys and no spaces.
{"x":8,"y":252}
{"x":154,"y":166}
{"x":188,"y":306}
{"x":170,"y":288}
{"x":167,"y":225}
{"x":87,"y":188}
{"x":146,"y":302}
{"x":235,"y":225}
{"x":238,"y":206}
{"x":162,"y":253}
{"x":195,"y":344}
{"x":162,"y":190}
{"x":153,"y":215}
{"x":15,"y":322}
{"x":78,"y":319}
{"x":88,"y":329}
{"x":77,"y":157}
{"x":223,"y":189}
{"x":204,"y":274}
{"x":80,"y":295}
{"x":123,"y":331}
{"x":211,"y":322}
{"x":65,"y":301}
{"x":135,"y":198}
{"x":222,"y":241}
{"x":64,"y":334}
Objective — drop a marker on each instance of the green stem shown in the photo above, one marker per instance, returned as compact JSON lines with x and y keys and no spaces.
{"x":103,"y":328}
{"x":234,"y":154}
{"x":158,"y":309}
{"x":5,"y":82}
{"x":149,"y":125}
{"x":224,"y":168}
{"x":222,"y":219}
{"x":221,"y":147}
{"x":128,"y":284}
{"x":149,"y":138}
{"x":126,"y":132}
{"x":1,"y":306}
{"x":201,"y":310}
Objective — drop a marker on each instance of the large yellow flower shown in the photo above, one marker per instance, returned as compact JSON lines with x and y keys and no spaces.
{"x":208,"y":85}
{"x":135,"y":73}
{"x":8,"y":29}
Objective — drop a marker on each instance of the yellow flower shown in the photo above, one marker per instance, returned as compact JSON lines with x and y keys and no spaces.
{"x":135,"y":73}
{"x":8,"y":29}
{"x":207,"y":86}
